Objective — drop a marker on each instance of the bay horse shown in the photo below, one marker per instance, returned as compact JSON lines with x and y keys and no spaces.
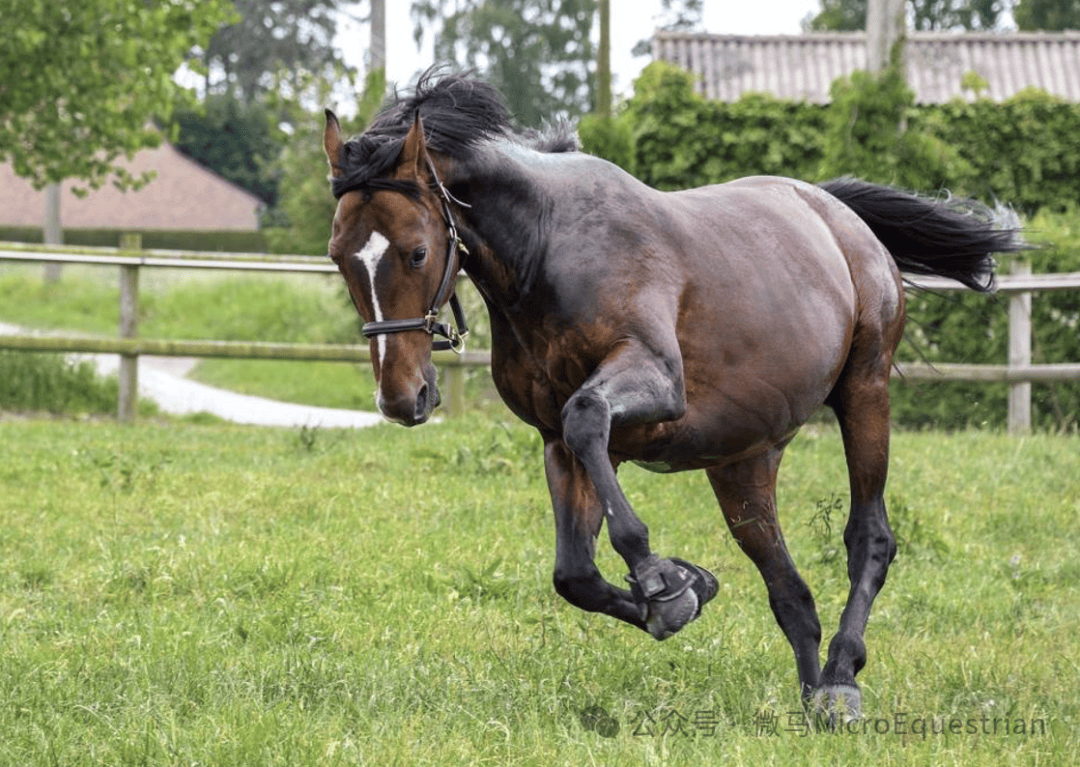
{"x":676,"y":330}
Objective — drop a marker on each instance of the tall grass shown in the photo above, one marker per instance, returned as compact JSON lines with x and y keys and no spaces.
{"x":42,"y":382}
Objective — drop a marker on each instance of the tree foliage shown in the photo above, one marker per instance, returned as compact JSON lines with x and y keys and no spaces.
{"x":923,"y":15}
{"x":256,"y":69}
{"x":538,"y":53}
{"x":243,"y":60}
{"x":80,"y":82}
{"x":677,"y":16}
{"x":238,"y":140}
{"x":838,"y":16}
{"x":305,"y":207}
{"x":1047,"y":15}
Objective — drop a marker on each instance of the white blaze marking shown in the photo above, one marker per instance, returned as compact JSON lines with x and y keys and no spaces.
{"x":370,"y":256}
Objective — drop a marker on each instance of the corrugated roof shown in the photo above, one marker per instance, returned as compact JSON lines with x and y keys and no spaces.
{"x":803,"y":66}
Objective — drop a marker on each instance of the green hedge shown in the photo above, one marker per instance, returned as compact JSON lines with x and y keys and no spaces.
{"x":675,"y":139}
{"x":1025,"y":151}
{"x":951,"y":326}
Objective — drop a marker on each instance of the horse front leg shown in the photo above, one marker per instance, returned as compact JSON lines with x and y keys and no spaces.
{"x":635,"y":387}
{"x":578,"y":518}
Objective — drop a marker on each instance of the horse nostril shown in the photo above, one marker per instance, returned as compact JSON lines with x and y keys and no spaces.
{"x":421,"y":410}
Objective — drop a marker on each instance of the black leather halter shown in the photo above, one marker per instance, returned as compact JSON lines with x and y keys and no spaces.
{"x":456,"y":334}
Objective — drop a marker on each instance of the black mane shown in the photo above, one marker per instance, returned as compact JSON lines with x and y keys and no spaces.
{"x":458,"y":113}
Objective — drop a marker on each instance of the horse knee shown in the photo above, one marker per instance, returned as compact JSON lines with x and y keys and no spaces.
{"x":586,"y":421}
{"x":581,"y":589}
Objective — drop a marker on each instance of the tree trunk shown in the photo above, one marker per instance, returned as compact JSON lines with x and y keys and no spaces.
{"x":603,"y":63}
{"x":52,"y":234}
{"x":884,"y":26}
{"x":378,"y":35}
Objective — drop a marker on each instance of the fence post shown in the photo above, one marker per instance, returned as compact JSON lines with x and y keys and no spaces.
{"x":1020,"y":354}
{"x":455,"y":389}
{"x":129,"y":321}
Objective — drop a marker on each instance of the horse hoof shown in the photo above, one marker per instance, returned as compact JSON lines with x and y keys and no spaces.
{"x":837,"y":704}
{"x":671,"y":593}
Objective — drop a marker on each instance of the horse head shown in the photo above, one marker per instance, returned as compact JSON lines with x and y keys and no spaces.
{"x":396,"y":245}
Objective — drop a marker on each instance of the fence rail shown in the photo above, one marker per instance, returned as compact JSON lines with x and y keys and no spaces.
{"x":130,"y":259}
{"x":1019,"y":286}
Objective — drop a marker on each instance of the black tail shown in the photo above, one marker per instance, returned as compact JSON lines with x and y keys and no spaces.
{"x":954,"y":237}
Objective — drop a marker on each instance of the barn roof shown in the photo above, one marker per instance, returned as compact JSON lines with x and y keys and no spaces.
{"x":184,"y":195}
{"x":802,"y":67}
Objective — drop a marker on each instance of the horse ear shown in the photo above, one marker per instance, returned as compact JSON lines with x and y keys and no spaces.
{"x":332,"y":144}
{"x":414,"y":156}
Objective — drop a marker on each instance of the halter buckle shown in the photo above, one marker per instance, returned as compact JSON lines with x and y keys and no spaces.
{"x":457,"y":341}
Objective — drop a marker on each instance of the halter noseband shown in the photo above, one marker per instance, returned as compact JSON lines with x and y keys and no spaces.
{"x":456,"y":334}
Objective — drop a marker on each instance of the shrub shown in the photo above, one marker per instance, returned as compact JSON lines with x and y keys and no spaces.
{"x":46,"y":382}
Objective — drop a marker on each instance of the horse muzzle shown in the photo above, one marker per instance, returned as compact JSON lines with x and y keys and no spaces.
{"x":410,"y":405}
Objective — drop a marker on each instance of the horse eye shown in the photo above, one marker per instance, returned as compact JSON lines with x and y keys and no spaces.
{"x":418,"y":257}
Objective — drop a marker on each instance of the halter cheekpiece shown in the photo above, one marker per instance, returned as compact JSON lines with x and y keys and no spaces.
{"x":455,"y":334}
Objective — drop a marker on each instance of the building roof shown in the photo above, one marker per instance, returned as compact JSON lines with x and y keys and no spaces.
{"x":802,"y":67}
{"x":184,"y":195}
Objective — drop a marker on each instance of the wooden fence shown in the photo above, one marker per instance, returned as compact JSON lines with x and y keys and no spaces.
{"x":1019,"y":286}
{"x":130,"y":260}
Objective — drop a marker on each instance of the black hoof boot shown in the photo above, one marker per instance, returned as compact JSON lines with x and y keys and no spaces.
{"x":670,"y":593}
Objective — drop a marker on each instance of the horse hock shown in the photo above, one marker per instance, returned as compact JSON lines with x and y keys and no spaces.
{"x":670,"y":593}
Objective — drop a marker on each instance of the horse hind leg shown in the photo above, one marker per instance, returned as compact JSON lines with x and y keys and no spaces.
{"x":747,"y":494}
{"x":861,"y":404}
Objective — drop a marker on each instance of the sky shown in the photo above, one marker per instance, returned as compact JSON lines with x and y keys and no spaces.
{"x":631,"y":21}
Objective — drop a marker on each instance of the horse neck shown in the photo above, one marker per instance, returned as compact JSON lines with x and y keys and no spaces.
{"x":508,"y":203}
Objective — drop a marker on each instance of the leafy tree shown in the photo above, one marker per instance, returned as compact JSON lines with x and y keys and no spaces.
{"x":239,"y":141}
{"x":838,"y":16}
{"x":927,"y":15}
{"x":1047,"y":15}
{"x":538,"y":53}
{"x":305,"y":208}
{"x":243,"y":59}
{"x":678,"y":15}
{"x":923,"y":15}
{"x":80,"y":82}
{"x":254,"y":69}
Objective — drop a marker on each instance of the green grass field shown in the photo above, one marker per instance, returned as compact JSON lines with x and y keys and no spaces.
{"x":178,"y":594}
